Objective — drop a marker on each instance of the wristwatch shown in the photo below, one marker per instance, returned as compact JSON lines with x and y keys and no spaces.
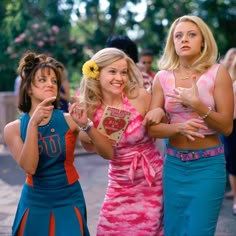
{"x":87,"y":127}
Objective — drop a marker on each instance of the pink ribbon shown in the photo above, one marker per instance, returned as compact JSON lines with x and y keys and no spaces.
{"x":149,"y":172}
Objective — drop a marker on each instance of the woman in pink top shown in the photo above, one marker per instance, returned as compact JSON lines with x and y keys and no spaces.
{"x":117,"y":104}
{"x":229,"y":142}
{"x":197,"y":96}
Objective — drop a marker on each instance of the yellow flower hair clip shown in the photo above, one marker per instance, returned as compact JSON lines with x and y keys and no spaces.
{"x":90,"y":70}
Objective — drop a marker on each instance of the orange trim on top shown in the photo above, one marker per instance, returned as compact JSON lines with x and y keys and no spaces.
{"x":71,"y":172}
{"x":29,"y":180}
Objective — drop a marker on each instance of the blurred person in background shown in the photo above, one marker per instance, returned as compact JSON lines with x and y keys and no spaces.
{"x":17,"y":89}
{"x":230,"y":144}
{"x":146,"y":59}
{"x":227,"y":62}
{"x":229,"y":57}
{"x":64,"y":92}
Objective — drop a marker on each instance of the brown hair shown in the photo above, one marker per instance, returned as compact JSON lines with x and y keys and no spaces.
{"x":28,"y":66}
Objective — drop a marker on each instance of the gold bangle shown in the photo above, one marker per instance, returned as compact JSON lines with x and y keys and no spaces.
{"x":207,"y":114}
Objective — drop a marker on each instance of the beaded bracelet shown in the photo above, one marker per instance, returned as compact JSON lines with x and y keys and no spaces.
{"x":207,"y":114}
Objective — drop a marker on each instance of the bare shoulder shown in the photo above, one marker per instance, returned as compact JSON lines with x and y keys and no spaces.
{"x":156,"y":78}
{"x":144,"y":94}
{"x":222,"y":75}
{"x":142,"y":101}
{"x":12,"y":130}
{"x":12,"y":126}
{"x":222,"y":71}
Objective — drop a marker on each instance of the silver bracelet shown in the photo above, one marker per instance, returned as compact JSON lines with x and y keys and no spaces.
{"x":88,"y":126}
{"x":207,"y":114}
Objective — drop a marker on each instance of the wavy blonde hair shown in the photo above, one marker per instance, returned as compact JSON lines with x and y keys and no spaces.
{"x":90,"y":89}
{"x":209,"y":53}
{"x":228,"y":58}
{"x":232,"y":70}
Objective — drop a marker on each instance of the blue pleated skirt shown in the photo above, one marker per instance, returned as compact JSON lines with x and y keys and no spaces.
{"x":63,"y":203}
{"x":193,"y":195}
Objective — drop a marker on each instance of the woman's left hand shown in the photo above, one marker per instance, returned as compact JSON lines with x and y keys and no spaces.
{"x":186,"y":96}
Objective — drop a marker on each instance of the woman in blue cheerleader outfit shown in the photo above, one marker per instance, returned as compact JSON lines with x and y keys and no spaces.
{"x":42,"y":142}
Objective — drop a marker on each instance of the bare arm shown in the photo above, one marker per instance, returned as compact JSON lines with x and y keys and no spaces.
{"x":163,"y":129}
{"x":99,"y":143}
{"x":92,"y":139}
{"x":26,"y":153}
{"x":220,"y":120}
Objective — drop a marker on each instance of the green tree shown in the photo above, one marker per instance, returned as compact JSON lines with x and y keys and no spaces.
{"x":41,"y":26}
{"x":94,"y":21}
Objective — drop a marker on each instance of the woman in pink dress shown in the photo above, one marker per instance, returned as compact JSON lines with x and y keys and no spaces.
{"x":112,"y":91}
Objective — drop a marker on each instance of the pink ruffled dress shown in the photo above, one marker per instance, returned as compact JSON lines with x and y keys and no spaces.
{"x":133,"y":203}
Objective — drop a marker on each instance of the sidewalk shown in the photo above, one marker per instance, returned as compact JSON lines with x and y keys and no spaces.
{"x":93,"y":179}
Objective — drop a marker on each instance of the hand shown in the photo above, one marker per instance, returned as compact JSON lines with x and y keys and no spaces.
{"x":186,"y":96}
{"x":77,"y":110}
{"x":154,"y":116}
{"x":190,"y":128}
{"x":43,"y":110}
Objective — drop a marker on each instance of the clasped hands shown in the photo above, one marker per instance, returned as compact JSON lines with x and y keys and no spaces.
{"x":78,"y":112}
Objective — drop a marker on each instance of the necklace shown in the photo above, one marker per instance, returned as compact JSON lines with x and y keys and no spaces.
{"x":188,"y":73}
{"x":185,"y":77}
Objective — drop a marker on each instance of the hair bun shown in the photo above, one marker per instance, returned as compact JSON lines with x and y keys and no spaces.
{"x":31,"y":61}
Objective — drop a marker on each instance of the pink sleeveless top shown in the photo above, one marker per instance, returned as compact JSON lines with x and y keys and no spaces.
{"x":178,"y":112}
{"x":134,"y":146}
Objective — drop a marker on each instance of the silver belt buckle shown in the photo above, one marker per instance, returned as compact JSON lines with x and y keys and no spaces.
{"x":183,"y":156}
{"x":188,"y":156}
{"x":194,"y":156}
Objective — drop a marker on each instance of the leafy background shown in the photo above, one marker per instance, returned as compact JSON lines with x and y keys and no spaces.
{"x":72,"y":30}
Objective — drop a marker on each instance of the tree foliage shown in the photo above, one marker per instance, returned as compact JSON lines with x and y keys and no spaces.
{"x":149,"y":31}
{"x":91,"y":22}
{"x":41,"y":26}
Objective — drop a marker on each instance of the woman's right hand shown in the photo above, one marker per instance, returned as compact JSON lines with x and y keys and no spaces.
{"x":154,"y":116}
{"x":42,"y":111}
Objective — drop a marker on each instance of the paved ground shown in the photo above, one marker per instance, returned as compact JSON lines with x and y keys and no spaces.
{"x":93,"y":178}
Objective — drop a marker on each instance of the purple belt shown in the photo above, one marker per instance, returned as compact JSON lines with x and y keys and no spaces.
{"x":191,"y":155}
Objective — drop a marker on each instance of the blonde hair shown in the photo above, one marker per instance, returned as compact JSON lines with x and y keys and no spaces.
{"x":232,"y":70}
{"x":227,"y":62}
{"x":90,"y":89}
{"x":209,"y":53}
